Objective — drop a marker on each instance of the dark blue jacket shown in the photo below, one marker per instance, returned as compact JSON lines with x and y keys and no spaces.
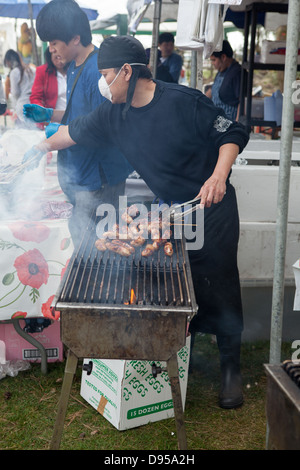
{"x":230,"y":89}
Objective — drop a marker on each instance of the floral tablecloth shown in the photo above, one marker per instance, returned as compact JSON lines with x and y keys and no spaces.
{"x":34,"y":254}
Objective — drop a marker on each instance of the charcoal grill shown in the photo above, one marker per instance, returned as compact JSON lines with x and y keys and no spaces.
{"x":283,"y":405}
{"x":116,"y":307}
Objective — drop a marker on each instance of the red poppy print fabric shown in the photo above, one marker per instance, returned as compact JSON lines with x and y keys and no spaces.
{"x":34,"y":256}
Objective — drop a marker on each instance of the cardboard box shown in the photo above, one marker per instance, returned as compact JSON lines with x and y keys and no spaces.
{"x":273,"y":52}
{"x":257,"y":108}
{"x":296,"y":270}
{"x":127,"y":394}
{"x":17,"y":348}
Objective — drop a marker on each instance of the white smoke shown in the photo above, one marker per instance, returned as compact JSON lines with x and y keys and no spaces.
{"x":20,"y":198}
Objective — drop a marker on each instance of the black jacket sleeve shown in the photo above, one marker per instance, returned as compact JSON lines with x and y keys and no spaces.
{"x":213,"y":126}
{"x":89,"y":130}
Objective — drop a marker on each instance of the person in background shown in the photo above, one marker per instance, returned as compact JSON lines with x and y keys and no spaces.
{"x":225,"y":91}
{"x":50,"y":84}
{"x":88,"y":176}
{"x":172,"y":61}
{"x":21,"y":78}
{"x":49,"y":88}
{"x":3,"y":103}
{"x":162,"y":72}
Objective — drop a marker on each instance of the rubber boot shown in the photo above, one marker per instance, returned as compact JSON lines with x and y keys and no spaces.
{"x":231,"y":393}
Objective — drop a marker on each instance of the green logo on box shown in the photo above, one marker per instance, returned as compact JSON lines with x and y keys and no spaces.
{"x":149,"y":409}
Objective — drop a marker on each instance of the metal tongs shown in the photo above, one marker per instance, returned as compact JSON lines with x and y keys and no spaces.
{"x":15,"y":171}
{"x":176,"y":212}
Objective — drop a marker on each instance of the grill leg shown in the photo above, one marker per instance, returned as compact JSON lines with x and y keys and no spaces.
{"x":70,"y":370}
{"x":172,"y":367}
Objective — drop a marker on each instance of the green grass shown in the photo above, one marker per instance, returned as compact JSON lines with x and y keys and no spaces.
{"x":28,"y":404}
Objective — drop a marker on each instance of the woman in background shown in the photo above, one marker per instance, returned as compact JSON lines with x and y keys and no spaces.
{"x":21,"y":78}
{"x":50,"y":84}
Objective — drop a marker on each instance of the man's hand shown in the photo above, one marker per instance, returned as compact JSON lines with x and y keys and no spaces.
{"x":32,"y":158}
{"x":212,"y":191}
{"x":37,"y":113}
{"x":214,"y":188}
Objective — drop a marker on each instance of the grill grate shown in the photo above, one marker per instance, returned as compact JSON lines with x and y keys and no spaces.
{"x":96,"y":277}
{"x":292,"y":368}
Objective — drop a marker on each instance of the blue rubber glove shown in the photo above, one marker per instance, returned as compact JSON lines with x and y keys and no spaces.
{"x":33,"y":155}
{"x":51,"y":129}
{"x":37,"y":113}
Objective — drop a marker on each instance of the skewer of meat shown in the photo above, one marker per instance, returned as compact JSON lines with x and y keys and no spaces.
{"x":148,"y":250}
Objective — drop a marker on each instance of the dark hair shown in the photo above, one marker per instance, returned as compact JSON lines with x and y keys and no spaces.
{"x":226,"y":49}
{"x":14,"y":58}
{"x":50,"y":66}
{"x":165,"y":37}
{"x":142,"y":71}
{"x":63,"y":20}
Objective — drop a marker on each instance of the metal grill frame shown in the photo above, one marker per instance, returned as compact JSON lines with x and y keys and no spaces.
{"x":120,"y":331}
{"x":134,"y":332}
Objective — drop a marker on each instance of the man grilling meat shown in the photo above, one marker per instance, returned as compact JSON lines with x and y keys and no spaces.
{"x":183,"y":147}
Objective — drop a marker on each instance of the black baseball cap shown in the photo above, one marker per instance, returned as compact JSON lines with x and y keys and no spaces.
{"x":115,"y":51}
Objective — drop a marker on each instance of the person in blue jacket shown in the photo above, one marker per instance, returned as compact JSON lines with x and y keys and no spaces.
{"x":169,"y":59}
{"x":88,"y":176}
{"x":183,"y":147}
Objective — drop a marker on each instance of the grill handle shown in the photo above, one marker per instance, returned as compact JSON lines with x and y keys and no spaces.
{"x":88,"y":367}
{"x":157,"y":370}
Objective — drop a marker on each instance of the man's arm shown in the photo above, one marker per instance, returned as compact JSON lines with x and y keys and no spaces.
{"x":214,"y":188}
{"x":58,"y":141}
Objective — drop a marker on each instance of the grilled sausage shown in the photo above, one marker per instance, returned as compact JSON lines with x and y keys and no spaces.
{"x":158,"y":242}
{"x":100,"y":244}
{"x":126,"y":217}
{"x":168,"y":248}
{"x":110,"y":234}
{"x":123,"y":244}
{"x":120,"y":249}
{"x":133,"y":211}
{"x":139,"y":241}
{"x":148,"y":250}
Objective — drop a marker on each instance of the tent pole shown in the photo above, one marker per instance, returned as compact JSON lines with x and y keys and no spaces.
{"x":293,"y":26}
{"x":200,"y":69}
{"x":155,"y":34}
{"x":193,"y":82}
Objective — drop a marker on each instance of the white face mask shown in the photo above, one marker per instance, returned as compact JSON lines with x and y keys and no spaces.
{"x":104,"y":88}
